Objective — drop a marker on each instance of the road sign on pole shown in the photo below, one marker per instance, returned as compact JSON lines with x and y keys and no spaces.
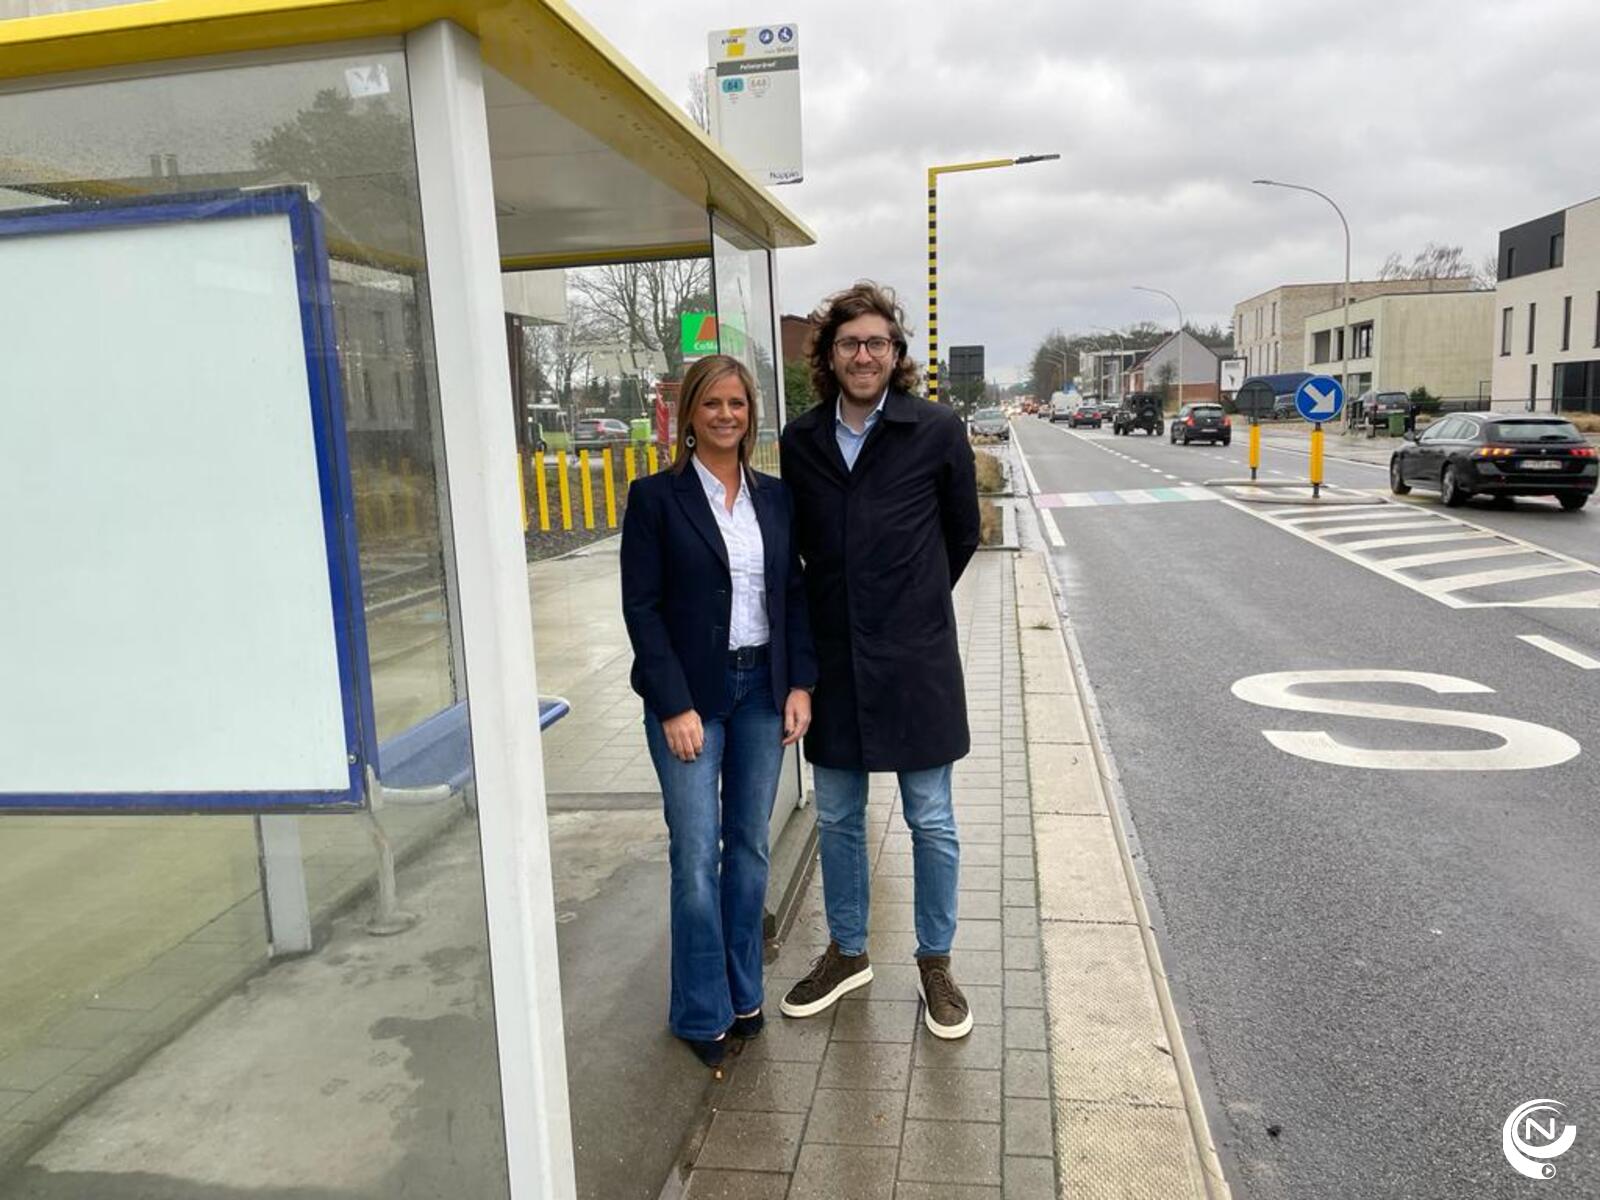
{"x":1319,"y":399}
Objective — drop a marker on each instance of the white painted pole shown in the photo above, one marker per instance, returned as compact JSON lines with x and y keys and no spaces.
{"x":463,"y":257}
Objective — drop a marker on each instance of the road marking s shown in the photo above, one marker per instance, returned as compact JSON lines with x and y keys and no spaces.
{"x":1524,"y":746}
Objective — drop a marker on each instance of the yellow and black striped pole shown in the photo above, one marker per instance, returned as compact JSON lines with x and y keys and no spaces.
{"x":933,"y":248}
{"x":933,"y":284}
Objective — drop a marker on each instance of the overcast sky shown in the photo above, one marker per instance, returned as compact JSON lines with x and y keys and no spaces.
{"x":1427,"y":120}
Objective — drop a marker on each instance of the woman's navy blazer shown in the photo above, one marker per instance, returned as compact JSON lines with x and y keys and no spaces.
{"x":677,"y":594}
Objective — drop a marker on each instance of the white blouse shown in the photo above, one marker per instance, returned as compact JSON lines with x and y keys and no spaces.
{"x":741,"y":534}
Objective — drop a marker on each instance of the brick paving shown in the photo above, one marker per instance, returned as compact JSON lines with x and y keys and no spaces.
{"x":862,"y":1102}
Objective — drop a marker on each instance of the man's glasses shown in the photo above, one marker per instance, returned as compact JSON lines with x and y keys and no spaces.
{"x":878,"y":347}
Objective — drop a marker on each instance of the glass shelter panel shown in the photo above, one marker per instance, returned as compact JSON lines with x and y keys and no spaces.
{"x":744,"y":291}
{"x":366,"y":1068}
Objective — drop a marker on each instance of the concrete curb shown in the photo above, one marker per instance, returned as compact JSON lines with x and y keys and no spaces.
{"x":1129,"y":1117}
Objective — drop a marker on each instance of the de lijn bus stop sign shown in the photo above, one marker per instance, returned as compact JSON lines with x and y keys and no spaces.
{"x":1319,"y":399}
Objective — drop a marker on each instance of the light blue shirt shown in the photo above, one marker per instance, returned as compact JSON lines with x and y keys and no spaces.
{"x":849,"y":440}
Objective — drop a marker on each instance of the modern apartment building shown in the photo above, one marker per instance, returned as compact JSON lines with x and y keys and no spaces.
{"x":1269,"y":329}
{"x":1434,"y":340}
{"x":1546,"y":326}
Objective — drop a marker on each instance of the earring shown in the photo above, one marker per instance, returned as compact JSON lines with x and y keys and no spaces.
{"x":688,"y":440}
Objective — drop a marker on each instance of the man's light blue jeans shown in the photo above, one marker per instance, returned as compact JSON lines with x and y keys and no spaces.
{"x":935,"y":855}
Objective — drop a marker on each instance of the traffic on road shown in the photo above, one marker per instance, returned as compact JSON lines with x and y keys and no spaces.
{"x":1351,"y":740}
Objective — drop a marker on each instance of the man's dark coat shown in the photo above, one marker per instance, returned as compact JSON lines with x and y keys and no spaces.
{"x":883,"y":544}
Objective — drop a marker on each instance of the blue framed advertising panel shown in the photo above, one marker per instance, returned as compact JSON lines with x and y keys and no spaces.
{"x":184,"y":627}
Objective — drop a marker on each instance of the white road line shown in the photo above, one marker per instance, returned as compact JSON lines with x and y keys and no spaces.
{"x":1368,"y":527}
{"x":1581,"y":661}
{"x":1478,"y":579}
{"x":1376,"y":513}
{"x":1564,"y":600}
{"x":1416,"y":539}
{"x":1448,"y":556}
{"x":1052,"y":531}
{"x":1027,"y":471}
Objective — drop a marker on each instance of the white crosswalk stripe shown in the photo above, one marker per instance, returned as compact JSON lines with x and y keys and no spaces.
{"x":1440,"y":540}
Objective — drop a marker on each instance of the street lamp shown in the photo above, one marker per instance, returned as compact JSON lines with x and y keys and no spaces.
{"x":1344,"y":332}
{"x":1158,"y":292}
{"x":933,"y":248}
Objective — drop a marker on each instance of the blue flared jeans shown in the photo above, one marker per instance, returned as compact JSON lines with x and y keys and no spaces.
{"x":718,"y":808}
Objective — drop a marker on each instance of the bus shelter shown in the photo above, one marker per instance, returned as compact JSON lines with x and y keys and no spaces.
{"x":268,"y":492}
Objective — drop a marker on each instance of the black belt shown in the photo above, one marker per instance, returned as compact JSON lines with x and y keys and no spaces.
{"x":746,"y":657}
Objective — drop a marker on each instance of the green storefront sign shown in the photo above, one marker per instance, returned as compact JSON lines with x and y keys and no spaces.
{"x":697,"y":334}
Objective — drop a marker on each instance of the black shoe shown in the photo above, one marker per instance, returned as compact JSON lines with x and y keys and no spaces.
{"x":832,"y":976}
{"x":712,"y":1053}
{"x":748,"y":1027}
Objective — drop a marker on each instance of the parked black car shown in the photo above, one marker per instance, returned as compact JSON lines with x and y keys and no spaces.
{"x":1490,"y":454}
{"x":1139,"y":410}
{"x":1201,"y":423}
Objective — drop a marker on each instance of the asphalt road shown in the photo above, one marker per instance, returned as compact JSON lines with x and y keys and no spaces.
{"x":1380,"y":941}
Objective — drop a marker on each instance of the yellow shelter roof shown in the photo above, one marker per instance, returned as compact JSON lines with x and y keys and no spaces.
{"x":542,"y":46}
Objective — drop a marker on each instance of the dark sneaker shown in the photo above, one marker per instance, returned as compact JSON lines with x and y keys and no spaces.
{"x":944,"y":1008}
{"x":748,"y":1027}
{"x":832,"y":975}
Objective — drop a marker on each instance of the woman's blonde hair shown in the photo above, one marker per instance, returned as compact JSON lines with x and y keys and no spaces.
{"x":696,"y":380}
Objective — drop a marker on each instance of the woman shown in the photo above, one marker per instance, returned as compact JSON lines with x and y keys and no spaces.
{"x":715,"y":608}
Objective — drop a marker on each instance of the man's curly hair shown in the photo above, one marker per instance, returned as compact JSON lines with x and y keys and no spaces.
{"x":860,"y":300}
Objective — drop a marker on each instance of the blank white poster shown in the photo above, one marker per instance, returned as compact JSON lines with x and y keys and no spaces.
{"x":166,"y":618}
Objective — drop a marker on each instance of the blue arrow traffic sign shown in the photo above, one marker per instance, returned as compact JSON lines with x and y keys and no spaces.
{"x":1319,"y":399}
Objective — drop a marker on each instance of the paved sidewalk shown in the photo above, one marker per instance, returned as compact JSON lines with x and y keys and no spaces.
{"x":1073,"y":1082}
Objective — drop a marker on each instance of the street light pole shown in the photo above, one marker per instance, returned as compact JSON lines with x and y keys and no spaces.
{"x":1158,"y":292}
{"x":933,"y":247}
{"x":1344,"y":332}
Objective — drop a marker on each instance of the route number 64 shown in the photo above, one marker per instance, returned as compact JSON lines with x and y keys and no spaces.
{"x":1523,"y":746}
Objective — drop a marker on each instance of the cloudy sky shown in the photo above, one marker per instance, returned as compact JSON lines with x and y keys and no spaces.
{"x":1427,"y":120}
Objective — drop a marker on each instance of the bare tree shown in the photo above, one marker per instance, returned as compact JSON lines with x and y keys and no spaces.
{"x":1488,"y":273}
{"x":698,"y":105}
{"x":639,"y":304}
{"x":555,"y":357}
{"x":1433,"y":261}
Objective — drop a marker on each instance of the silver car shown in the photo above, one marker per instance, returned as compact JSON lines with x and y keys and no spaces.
{"x":991,"y":422}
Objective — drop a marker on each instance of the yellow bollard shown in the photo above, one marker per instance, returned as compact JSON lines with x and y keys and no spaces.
{"x":1316,"y":460}
{"x":522,"y":491}
{"x":544,"y":500}
{"x":588,"y":489}
{"x":611,"y":489}
{"x":650,"y":458}
{"x":628,"y":463}
{"x":1255,"y":447}
{"x":565,"y":488}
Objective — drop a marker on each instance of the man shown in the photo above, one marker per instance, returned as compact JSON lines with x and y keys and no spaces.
{"x":886,"y":519}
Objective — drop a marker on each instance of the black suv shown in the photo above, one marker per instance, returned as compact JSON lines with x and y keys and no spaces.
{"x":1202,"y":423}
{"x":1139,"y":410}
